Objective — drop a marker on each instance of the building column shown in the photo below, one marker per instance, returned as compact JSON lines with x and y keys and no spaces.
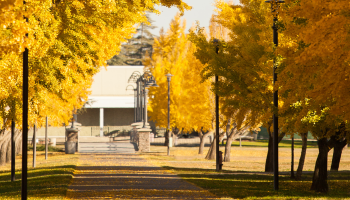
{"x":101,"y":122}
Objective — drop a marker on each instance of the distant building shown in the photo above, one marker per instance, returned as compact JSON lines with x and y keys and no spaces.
{"x":112,"y":100}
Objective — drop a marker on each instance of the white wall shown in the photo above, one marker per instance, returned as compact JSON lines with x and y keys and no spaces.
{"x":114,"y":81}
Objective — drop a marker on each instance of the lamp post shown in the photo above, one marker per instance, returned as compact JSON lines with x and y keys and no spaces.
{"x":135,"y":78}
{"x":135,"y":98}
{"x":13,"y":152}
{"x":135,"y":105}
{"x":168,"y":128}
{"x":138,"y":102}
{"x":145,"y":107}
{"x":25,"y":120}
{"x":148,"y":81}
{"x":274,"y":9}
{"x":216,"y":43}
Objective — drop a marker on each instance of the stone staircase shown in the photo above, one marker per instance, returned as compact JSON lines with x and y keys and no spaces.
{"x":106,"y":147}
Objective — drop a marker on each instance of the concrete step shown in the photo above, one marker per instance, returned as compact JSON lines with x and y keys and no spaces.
{"x":106,"y":147}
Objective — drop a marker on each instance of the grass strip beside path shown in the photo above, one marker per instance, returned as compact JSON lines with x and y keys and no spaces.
{"x":49,"y":180}
{"x":244,"y":176}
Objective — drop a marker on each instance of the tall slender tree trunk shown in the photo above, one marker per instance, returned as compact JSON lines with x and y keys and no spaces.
{"x":202,"y":141}
{"x":3,"y":148}
{"x":211,"y":153}
{"x":319,"y":180}
{"x":302,"y":156}
{"x":228,"y":149}
{"x":8,"y":153}
{"x":166,"y":138}
{"x":269,"y":157}
{"x":338,"y":149}
{"x":201,"y":144}
{"x":18,"y":141}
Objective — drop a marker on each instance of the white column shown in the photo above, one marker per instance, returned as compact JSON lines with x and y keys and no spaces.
{"x":101,"y":122}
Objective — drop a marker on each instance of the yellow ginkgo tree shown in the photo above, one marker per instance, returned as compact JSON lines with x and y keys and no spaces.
{"x":190,"y":103}
{"x":68,"y":42}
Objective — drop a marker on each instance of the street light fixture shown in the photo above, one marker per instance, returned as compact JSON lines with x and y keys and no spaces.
{"x":168,"y":129}
{"x":274,"y":9}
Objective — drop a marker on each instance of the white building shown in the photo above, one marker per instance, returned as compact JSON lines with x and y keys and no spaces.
{"x":112,"y":100}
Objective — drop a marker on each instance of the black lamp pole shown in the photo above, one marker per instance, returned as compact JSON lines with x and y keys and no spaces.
{"x":274,"y":9}
{"x":275,"y":115}
{"x":145,"y":111}
{"x":46,"y":139}
{"x":135,"y":104}
{"x":138,"y":101}
{"x":142,"y":101}
{"x":292,"y":164}
{"x":25,"y":122}
{"x":216,"y":42}
{"x":13,"y":152}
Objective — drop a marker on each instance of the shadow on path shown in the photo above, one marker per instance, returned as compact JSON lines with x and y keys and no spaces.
{"x":128,"y":176}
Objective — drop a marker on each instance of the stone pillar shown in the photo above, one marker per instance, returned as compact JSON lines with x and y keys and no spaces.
{"x":134,"y":135}
{"x":144,"y":143}
{"x":72,"y":140}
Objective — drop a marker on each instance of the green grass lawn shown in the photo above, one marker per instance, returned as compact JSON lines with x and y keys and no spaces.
{"x":244,"y":176}
{"x":245,"y":185}
{"x":42,"y":148}
{"x":49,"y":180}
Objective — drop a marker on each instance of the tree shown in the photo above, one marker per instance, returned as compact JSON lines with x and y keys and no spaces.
{"x":316,"y":59}
{"x":138,"y":47}
{"x":190,"y":104}
{"x":243,"y":62}
{"x":68,"y":42}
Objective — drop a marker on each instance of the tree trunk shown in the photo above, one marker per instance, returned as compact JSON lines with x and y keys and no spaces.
{"x":8,"y":153}
{"x":319,"y":180}
{"x":302,"y":156}
{"x":201,"y":145}
{"x":228,"y":149}
{"x":166,"y":138}
{"x":3,"y":149}
{"x":338,"y":149}
{"x":269,"y":157}
{"x":18,"y":142}
{"x":174,"y":138}
{"x":202,"y":141}
{"x":211,"y":153}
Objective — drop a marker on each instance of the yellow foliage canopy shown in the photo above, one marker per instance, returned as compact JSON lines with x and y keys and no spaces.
{"x":190,"y":99}
{"x":68,"y":42}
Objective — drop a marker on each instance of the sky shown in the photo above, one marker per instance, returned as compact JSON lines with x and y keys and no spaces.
{"x":201,"y":11}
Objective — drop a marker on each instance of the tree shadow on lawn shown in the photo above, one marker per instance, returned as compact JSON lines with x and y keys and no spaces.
{"x":43,"y":182}
{"x":282,"y":144}
{"x":257,"y":185}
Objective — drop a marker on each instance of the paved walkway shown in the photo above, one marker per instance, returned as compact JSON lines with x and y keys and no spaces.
{"x":128,"y":176}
